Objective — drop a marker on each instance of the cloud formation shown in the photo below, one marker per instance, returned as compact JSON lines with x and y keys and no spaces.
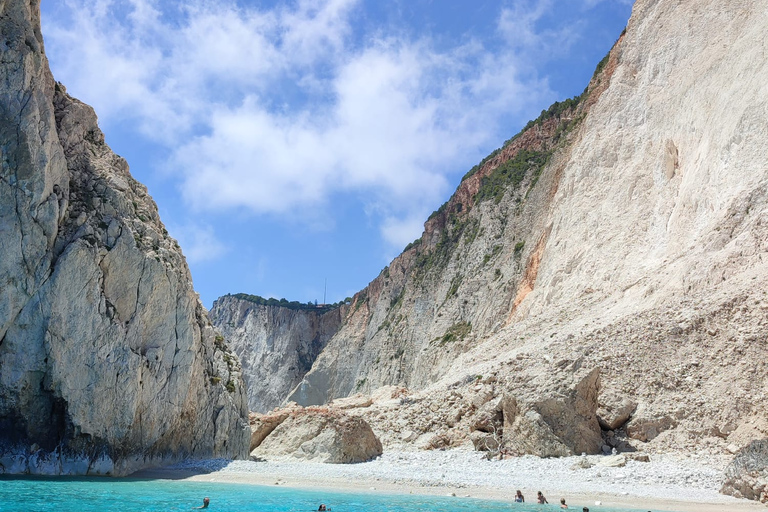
{"x":276,"y":111}
{"x":199,"y":241}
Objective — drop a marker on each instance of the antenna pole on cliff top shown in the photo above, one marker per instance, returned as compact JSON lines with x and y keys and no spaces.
{"x":325,"y":289}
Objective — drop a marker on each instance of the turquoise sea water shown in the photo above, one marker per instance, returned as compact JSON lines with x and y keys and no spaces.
{"x":125,"y":495}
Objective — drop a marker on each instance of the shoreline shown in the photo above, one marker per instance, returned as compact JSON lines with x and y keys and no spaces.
{"x":664,"y":484}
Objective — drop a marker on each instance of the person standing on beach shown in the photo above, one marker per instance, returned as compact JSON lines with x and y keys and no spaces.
{"x":519,"y":498}
{"x":541,"y":499}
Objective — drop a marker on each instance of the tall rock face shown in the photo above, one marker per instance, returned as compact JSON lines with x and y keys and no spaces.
{"x":625,"y":230}
{"x":108,"y":362}
{"x":276,"y":345}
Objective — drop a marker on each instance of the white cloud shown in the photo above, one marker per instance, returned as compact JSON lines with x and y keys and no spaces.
{"x":400,"y":232}
{"x":199,"y":241}
{"x":276,"y":111}
{"x":522,"y":26}
{"x":518,"y":22}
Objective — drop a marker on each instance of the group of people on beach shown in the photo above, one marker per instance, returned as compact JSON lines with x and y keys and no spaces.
{"x":519,"y":498}
{"x":540,"y":499}
{"x":207,"y":501}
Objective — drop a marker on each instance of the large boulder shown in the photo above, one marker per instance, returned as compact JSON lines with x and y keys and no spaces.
{"x":557,"y":418}
{"x":320,"y":434}
{"x":614,"y":412}
{"x":263,"y":424}
{"x":646,"y":429}
{"x":747,"y":475}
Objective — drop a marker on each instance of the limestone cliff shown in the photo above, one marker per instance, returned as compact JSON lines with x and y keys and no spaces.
{"x":276,"y":345}
{"x":623,"y":232}
{"x":108,"y":362}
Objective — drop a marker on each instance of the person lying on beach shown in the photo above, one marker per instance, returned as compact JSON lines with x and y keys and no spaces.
{"x":519,"y":498}
{"x":562,"y":503}
{"x":542,"y":500}
{"x":206,"y":502}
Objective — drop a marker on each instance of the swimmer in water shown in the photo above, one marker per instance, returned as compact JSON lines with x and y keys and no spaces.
{"x":206,"y":502}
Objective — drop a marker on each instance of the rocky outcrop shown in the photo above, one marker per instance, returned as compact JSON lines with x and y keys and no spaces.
{"x":558,"y":419}
{"x":614,"y":412}
{"x":522,"y":412}
{"x":276,"y":345}
{"x":263,"y":424}
{"x":625,"y":230}
{"x":459,"y":282}
{"x":108,"y":362}
{"x":317,"y":434}
{"x":747,"y":476}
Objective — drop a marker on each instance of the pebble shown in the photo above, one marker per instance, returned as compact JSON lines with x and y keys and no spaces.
{"x":665,"y":477}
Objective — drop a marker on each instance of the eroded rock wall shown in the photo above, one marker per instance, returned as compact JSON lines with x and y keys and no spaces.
{"x":461,"y":281}
{"x":276,"y":345}
{"x":108,"y":362}
{"x":638,"y":248}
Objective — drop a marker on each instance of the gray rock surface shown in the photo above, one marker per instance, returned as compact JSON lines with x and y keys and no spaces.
{"x":557,"y":417}
{"x":318,"y":434}
{"x":276,"y":345}
{"x":108,"y":362}
{"x":747,"y":475}
{"x":613,"y":413}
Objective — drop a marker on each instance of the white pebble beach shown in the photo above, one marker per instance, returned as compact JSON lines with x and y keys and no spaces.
{"x":666,"y":482}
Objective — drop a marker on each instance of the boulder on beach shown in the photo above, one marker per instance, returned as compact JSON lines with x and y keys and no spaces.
{"x":614,"y":412}
{"x":557,"y":418}
{"x":318,"y":434}
{"x":646,"y":429}
{"x":263,"y":424}
{"x":747,"y":474}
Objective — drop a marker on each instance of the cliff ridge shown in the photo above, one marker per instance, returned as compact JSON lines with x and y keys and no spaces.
{"x":108,"y":361}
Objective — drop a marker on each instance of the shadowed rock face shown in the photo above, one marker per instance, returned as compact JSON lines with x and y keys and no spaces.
{"x":276,"y":345}
{"x":108,"y":362}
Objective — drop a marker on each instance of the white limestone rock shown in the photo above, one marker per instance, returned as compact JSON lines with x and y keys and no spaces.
{"x":276,"y":345}
{"x":108,"y":362}
{"x":639,"y":248}
{"x":614,"y":413}
{"x":747,"y":475}
{"x":320,"y":435}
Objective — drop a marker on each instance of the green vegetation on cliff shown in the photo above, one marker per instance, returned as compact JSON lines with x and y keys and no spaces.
{"x":511,"y":173}
{"x":283,"y":303}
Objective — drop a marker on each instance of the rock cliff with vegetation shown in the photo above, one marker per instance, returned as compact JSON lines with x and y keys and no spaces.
{"x":599,"y":281}
{"x":108,"y":362}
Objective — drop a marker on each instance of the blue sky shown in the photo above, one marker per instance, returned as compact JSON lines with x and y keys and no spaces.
{"x":291,"y":142}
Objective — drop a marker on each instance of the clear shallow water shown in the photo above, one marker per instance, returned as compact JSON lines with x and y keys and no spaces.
{"x":125,"y":495}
